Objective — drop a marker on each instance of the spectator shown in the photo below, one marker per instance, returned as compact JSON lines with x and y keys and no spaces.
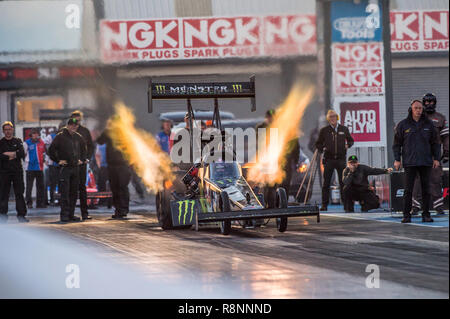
{"x":103,"y":171}
{"x":416,"y":147}
{"x":11,"y":172}
{"x":34,"y":149}
{"x":163,"y":137}
{"x":356,"y":185}
{"x":333,"y":141}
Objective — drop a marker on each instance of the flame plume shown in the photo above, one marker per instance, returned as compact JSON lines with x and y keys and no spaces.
{"x":140,"y":149}
{"x":287,"y":120}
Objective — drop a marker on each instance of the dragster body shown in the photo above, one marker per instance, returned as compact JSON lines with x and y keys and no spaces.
{"x":215,"y":191}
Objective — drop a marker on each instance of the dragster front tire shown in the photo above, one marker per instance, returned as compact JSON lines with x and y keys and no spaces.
{"x":163,"y":210}
{"x":282,"y":202}
{"x":224,"y":204}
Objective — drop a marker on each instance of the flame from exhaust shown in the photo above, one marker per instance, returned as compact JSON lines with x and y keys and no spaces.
{"x":287,"y":120}
{"x":140,"y":149}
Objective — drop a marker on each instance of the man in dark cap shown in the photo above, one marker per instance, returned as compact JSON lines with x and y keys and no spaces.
{"x":68,"y":149}
{"x":84,"y":132}
{"x":356,"y":185}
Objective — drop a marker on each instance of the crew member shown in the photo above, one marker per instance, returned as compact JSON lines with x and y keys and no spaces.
{"x":11,"y":172}
{"x":68,"y":149}
{"x":84,"y":132}
{"x":119,"y":175}
{"x":356,"y":185}
{"x":416,"y":147}
{"x":34,"y":149}
{"x":440,"y":123}
{"x":333,"y":141}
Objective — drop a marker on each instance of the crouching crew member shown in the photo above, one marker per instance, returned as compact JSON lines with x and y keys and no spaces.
{"x":119,"y":176}
{"x":440,"y":123}
{"x":356,"y":185}
{"x":11,"y":172}
{"x":416,"y":147}
{"x":68,"y":149}
{"x":333,"y":141}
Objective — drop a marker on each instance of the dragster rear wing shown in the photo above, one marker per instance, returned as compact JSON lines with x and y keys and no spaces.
{"x":198,"y":90}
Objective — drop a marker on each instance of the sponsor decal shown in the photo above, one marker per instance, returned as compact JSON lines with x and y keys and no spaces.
{"x":202,"y":38}
{"x":399,"y":192}
{"x":185,"y":208}
{"x":365,"y":119}
{"x":419,"y":30}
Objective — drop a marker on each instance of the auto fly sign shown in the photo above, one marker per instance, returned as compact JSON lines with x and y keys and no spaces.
{"x":365,"y":118}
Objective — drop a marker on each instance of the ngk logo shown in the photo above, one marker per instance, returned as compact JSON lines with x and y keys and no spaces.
{"x":435,"y":25}
{"x":152,"y":34}
{"x":404,"y":26}
{"x":220,"y":32}
{"x":365,"y":52}
{"x":359,"y":78}
{"x":289,"y":29}
{"x":419,"y":31}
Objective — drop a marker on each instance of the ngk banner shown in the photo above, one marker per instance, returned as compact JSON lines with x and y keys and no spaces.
{"x":200,"y":38}
{"x":413,"y":31}
{"x":358,"y":68}
{"x":365,"y":118}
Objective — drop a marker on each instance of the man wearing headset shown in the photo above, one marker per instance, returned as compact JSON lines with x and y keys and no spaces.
{"x":416,"y":147}
{"x":440,"y":123}
{"x":334,"y":140}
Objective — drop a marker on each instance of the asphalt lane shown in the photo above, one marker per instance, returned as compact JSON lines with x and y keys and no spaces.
{"x":310,"y":260}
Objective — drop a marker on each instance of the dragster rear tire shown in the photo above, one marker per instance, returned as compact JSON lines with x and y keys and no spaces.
{"x":224,"y":204}
{"x":282,"y":202}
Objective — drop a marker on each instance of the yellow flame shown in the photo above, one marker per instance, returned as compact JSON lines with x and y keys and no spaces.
{"x":140,"y":149}
{"x":287,"y":120}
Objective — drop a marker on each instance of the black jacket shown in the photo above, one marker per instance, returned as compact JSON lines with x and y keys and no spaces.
{"x":70,"y":148}
{"x":416,"y":143}
{"x":113,"y":156}
{"x":332,"y":143}
{"x":358,"y":178}
{"x":13,"y":145}
{"x":84,"y":132}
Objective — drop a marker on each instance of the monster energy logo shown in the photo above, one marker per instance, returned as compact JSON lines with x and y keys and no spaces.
{"x":237,"y":88}
{"x":160,"y":88}
{"x":184,"y":212}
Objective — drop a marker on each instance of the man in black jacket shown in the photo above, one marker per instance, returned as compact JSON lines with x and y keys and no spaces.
{"x":119,"y":176}
{"x":11,"y":172}
{"x":84,"y":132}
{"x":333,"y":141}
{"x":416,"y":147}
{"x":356,"y":185}
{"x":68,"y":149}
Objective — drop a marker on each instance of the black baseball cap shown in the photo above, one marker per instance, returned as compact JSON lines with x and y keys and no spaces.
{"x":270,"y":112}
{"x":73,"y":121}
{"x":352,"y":158}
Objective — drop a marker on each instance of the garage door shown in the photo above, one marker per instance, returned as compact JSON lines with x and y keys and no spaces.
{"x":412,"y":83}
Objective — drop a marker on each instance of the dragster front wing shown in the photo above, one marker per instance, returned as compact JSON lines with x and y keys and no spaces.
{"x":193,"y":211}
